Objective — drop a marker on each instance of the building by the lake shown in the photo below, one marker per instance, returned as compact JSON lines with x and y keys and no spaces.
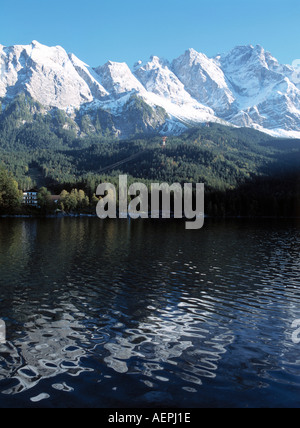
{"x":30,"y":197}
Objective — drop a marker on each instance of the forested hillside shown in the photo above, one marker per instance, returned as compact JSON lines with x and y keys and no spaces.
{"x":245,"y":172}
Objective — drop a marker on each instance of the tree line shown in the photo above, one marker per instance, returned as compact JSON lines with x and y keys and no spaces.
{"x":245,"y":172}
{"x":272,"y":197}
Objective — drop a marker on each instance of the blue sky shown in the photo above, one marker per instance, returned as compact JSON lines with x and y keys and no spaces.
{"x":129,"y":30}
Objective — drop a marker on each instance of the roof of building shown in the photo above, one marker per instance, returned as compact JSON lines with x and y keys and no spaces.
{"x":31,"y":191}
{"x":54,"y":197}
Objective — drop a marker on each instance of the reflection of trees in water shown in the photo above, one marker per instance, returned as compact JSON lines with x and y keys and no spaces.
{"x":14,"y":249}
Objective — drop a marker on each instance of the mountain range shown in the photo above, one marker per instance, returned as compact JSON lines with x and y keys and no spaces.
{"x":246,"y":87}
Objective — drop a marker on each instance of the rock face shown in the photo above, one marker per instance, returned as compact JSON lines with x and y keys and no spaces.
{"x":47,"y":74}
{"x":245,"y":87}
{"x":204,"y":79}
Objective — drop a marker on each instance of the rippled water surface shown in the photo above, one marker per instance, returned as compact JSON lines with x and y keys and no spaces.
{"x":146,"y":314}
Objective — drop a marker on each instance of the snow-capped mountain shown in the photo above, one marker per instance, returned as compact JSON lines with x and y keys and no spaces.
{"x":204,"y":80}
{"x":118,"y":79}
{"x":47,"y":74}
{"x":264,"y":94}
{"x":245,"y":87}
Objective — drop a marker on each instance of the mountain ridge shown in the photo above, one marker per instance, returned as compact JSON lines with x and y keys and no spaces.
{"x":247,"y":87}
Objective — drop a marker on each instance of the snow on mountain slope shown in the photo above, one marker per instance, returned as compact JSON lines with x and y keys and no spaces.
{"x":159,"y":79}
{"x":47,"y":74}
{"x":90,"y":77}
{"x":204,"y":80}
{"x":166,"y":90}
{"x":245,"y":87}
{"x":118,"y":79}
{"x":264,"y":94}
{"x":250,"y":71}
{"x":156,"y":85}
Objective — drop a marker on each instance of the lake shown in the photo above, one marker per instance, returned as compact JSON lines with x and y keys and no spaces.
{"x":143,"y":313}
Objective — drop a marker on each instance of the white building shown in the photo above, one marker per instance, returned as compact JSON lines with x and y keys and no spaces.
{"x":30,"y":197}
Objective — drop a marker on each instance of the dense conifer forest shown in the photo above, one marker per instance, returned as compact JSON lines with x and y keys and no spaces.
{"x":246,"y":173}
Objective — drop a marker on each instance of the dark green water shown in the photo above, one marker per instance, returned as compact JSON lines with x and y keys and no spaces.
{"x":146,"y":314}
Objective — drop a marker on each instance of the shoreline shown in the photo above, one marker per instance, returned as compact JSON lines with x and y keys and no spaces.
{"x":61,"y":216}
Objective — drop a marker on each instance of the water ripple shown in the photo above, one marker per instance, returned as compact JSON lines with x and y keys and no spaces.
{"x":148,"y":313}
